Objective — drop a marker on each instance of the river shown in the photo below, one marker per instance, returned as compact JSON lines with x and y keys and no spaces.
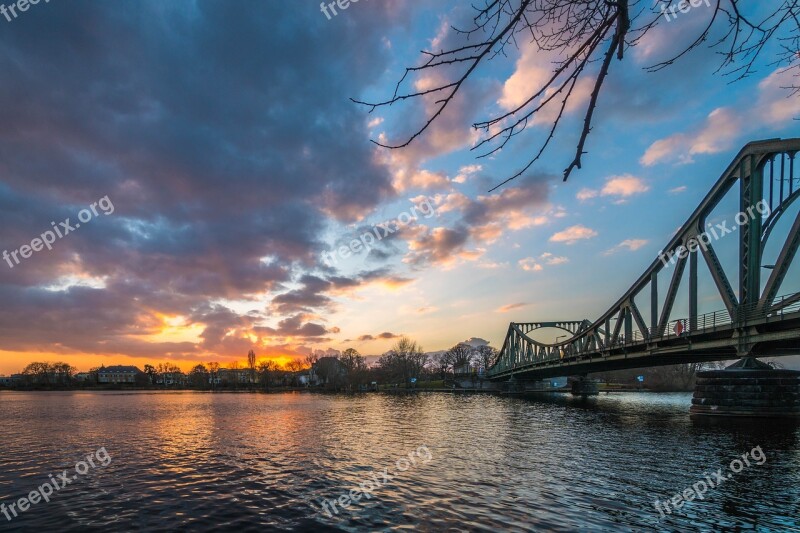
{"x":263,"y":462}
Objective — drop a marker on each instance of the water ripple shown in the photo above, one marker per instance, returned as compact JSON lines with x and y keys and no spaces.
{"x":202,"y":462}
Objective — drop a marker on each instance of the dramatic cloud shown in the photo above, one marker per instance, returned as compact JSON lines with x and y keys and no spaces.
{"x":479,"y":222}
{"x":223,"y":178}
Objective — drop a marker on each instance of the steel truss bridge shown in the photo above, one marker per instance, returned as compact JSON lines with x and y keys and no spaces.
{"x":756,"y":320}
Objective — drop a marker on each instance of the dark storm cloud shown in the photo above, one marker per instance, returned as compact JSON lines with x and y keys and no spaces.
{"x":220,"y":132}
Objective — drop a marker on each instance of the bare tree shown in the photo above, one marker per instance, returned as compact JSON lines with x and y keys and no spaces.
{"x":461,"y":355}
{"x":311,"y":359}
{"x":265,"y":370}
{"x":235,"y":370}
{"x":404,"y":361}
{"x":443,"y":363}
{"x":355,"y":367}
{"x":151,"y":373}
{"x":486,"y":356}
{"x":213,"y":373}
{"x":49,"y":373}
{"x":198,"y":377}
{"x":251,"y":364}
{"x":583,"y":33}
{"x":295,"y":365}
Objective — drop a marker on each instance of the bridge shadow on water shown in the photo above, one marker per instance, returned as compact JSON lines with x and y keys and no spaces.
{"x":663,"y":410}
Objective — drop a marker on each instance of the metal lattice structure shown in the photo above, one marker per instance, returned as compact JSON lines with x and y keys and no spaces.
{"x":755,"y":321}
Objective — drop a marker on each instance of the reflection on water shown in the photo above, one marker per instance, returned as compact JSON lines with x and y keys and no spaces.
{"x":194,"y":461}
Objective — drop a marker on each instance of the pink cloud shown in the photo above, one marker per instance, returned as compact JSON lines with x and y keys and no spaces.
{"x":774,"y":108}
{"x":573,"y":234}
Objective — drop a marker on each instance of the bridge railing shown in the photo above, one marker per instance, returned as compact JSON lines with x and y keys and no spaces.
{"x":703,"y":324}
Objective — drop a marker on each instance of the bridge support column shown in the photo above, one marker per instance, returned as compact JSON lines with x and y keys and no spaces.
{"x":747,"y":388}
{"x":584,"y":387}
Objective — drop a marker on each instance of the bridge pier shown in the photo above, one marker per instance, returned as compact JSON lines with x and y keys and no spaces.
{"x":584,"y":387}
{"x":747,"y":388}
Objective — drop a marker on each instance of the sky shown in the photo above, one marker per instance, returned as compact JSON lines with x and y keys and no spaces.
{"x":226,"y":161}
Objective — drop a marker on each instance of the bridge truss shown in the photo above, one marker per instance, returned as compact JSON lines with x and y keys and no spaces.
{"x":755,"y":321}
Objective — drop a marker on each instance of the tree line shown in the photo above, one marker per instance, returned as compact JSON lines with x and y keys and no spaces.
{"x":405,"y":364}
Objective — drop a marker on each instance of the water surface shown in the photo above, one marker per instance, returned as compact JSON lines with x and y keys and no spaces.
{"x":257,"y":462}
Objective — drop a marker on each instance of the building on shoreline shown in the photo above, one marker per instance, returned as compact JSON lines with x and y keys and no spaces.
{"x":118,"y":374}
{"x":10,"y":381}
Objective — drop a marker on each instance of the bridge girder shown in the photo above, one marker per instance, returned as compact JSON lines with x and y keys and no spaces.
{"x":771,"y":160}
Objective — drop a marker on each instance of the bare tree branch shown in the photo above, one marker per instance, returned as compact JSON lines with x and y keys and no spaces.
{"x":586,"y":35}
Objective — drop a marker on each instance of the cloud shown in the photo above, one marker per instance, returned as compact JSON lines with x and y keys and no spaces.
{"x":477,"y":223}
{"x":774,"y":107}
{"x":491,"y":265}
{"x":450,"y":131}
{"x":721,"y":128}
{"x":573,"y":234}
{"x":551,"y":259}
{"x":510,"y":307}
{"x":205,"y":186}
{"x":533,"y":70}
{"x":380,"y":336}
{"x":630,"y":245}
{"x":531,"y":264}
{"x":622,"y":186}
{"x":296,"y":327}
{"x":465,"y":172}
{"x":476,"y":341}
{"x":677,"y":190}
{"x":625,"y":185}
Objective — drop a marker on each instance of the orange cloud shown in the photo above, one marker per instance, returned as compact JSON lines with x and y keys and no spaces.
{"x":510,"y":307}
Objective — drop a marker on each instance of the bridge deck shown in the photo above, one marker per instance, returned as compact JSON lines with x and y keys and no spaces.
{"x":716,"y":338}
